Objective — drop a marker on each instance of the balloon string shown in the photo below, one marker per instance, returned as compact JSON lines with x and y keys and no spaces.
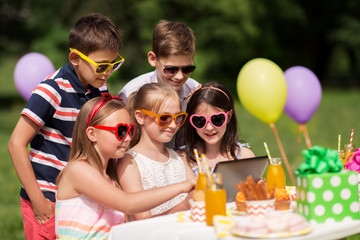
{"x":302,"y":128}
{"x":282,"y":151}
{"x":298,"y":136}
{"x":306,"y":135}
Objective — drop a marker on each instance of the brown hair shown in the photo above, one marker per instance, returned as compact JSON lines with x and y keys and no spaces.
{"x":217,"y":95}
{"x":94,"y":32}
{"x":82,"y":148}
{"x":173,"y":38}
{"x":150,"y":97}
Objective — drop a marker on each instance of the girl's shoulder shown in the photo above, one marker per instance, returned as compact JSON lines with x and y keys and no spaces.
{"x":245,"y":152}
{"x":79,"y":169}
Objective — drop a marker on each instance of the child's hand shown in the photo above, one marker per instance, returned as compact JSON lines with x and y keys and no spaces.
{"x":190,"y":184}
{"x":43,"y":211}
{"x":261,"y":180}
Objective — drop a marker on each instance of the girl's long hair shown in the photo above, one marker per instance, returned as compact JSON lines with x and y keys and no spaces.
{"x":150,"y":97}
{"x":82,"y":148}
{"x":210,"y":95}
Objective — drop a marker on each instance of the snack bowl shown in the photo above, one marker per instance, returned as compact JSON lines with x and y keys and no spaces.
{"x":260,"y":207}
{"x":283,"y":205}
{"x":197,"y":210}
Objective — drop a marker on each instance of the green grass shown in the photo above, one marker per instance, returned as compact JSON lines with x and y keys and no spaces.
{"x":10,"y":215}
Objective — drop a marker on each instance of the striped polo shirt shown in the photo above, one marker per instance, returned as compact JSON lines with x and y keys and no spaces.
{"x":54,"y":106}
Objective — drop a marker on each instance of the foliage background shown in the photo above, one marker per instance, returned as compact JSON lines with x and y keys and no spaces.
{"x":320,"y":35}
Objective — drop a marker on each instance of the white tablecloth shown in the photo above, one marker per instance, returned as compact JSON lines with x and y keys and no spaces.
{"x":167,"y":228}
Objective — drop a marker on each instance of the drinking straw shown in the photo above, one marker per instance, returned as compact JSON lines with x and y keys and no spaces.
{"x":206,"y":165}
{"x":339,"y":142}
{"x":197,"y":160}
{"x":267,"y":151}
{"x":351,"y":138}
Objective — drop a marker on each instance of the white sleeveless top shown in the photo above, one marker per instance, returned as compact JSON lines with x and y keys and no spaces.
{"x":156,"y":174}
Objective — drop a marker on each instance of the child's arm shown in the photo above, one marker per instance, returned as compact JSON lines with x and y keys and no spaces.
{"x":130,"y":179}
{"x":23,"y":133}
{"x":82,"y":179}
{"x":189,"y":172}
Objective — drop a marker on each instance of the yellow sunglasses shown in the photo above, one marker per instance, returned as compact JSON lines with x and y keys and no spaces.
{"x":101,"y":67}
{"x":164,"y":120}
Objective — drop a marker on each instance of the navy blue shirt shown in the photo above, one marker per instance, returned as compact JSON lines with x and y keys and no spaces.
{"x":54,"y":106}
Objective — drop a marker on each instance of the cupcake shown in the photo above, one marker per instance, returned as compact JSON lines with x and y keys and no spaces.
{"x":282,"y":199}
{"x":240,"y":202}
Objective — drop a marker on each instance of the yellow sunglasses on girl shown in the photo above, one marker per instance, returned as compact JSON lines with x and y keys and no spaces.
{"x":101,"y":67}
{"x":164,"y":120}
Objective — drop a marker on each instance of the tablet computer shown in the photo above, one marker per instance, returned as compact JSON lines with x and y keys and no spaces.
{"x":236,"y":171}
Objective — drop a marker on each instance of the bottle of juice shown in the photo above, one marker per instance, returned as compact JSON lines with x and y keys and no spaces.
{"x":201,"y":181}
{"x":275,"y":176}
{"x":215,"y":198}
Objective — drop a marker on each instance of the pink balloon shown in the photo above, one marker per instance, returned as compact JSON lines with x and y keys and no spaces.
{"x":303,"y":94}
{"x":29,"y":71}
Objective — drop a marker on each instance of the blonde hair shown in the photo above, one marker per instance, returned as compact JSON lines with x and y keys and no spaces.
{"x":81,"y":147}
{"x":150,"y":97}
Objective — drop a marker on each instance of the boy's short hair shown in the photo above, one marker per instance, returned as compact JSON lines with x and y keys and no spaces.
{"x":95,"y":32}
{"x":173,"y":38}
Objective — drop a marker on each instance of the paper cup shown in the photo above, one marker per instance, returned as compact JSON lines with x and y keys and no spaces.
{"x":198,"y":211}
{"x":292,"y":192}
{"x":260,"y":207}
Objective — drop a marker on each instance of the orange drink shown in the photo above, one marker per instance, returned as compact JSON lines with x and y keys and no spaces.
{"x":215,"y":204}
{"x":215,"y":199}
{"x":201,"y":181}
{"x":347,"y":153}
{"x":275,"y":176}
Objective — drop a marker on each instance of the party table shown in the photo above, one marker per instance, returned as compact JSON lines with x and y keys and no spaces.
{"x":169,"y":228}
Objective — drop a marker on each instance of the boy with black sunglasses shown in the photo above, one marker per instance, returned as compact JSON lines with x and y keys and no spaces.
{"x":173,"y":53}
{"x":47,"y":121}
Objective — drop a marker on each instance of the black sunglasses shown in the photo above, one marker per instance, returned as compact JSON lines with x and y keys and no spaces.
{"x":171,"y":70}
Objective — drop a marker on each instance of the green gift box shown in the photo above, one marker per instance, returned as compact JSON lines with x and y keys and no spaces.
{"x":328,"y":197}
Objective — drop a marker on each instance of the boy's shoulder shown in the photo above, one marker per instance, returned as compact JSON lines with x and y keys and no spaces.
{"x":191,"y":83}
{"x":134,"y":84}
{"x":142,"y":79}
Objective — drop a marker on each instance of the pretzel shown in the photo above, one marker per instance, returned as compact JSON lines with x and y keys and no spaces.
{"x":253,"y":190}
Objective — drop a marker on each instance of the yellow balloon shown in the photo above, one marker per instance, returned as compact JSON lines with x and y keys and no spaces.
{"x":261,"y":87}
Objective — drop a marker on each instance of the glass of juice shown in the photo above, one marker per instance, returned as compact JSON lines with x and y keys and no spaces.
{"x":201,"y":181}
{"x":215,"y":199}
{"x":347,"y":153}
{"x":275,"y":176}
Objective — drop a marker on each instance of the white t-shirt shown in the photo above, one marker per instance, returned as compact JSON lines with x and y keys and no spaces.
{"x":151,"y":77}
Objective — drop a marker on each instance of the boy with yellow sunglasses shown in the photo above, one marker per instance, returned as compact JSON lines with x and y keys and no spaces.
{"x":46,"y":122}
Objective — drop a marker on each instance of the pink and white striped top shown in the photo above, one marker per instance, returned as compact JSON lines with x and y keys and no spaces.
{"x":83,"y":218}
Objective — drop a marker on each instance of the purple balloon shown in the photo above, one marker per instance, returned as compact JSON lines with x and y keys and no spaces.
{"x":29,"y":71}
{"x":303,"y":94}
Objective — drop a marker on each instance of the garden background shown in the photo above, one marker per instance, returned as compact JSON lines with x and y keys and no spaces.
{"x":323,"y":36}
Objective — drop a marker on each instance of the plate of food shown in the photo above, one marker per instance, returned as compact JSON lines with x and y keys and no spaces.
{"x":273,"y":225}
